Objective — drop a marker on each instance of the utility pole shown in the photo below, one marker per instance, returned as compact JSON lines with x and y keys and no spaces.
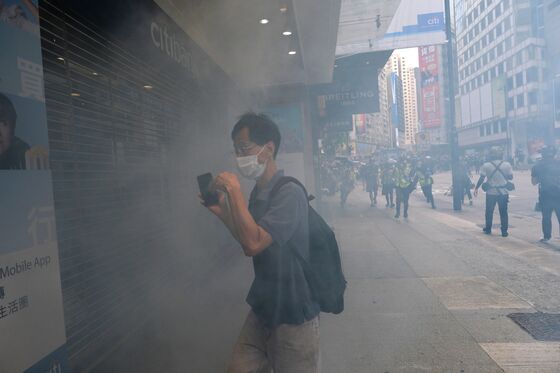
{"x":451,"y":125}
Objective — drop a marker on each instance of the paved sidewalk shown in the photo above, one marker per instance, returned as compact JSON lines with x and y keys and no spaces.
{"x":431,"y":294}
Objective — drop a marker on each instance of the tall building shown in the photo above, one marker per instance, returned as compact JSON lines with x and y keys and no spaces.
{"x":410,"y":106}
{"x":552,"y":30}
{"x":397,"y":98}
{"x":502,"y":68}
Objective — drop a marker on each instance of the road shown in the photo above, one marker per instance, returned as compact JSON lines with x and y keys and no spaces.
{"x":432,"y":293}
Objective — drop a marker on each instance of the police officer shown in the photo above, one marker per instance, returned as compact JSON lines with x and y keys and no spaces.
{"x":404,"y":176}
{"x":546,"y":173}
{"x":388,"y":182}
{"x":426,"y":181}
{"x":371,"y":176}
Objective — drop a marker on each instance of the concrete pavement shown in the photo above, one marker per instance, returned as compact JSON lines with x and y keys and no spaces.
{"x":432,"y":293}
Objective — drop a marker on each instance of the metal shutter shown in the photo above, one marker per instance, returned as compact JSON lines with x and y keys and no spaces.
{"x":109,"y":141}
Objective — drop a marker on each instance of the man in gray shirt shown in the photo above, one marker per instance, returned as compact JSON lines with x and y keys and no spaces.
{"x":281,"y":331}
{"x":497,"y":174}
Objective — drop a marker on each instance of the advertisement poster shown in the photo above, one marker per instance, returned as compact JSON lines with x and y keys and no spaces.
{"x":31,"y":313}
{"x":290,"y":155}
{"x":430,"y":111}
{"x":557,"y":103}
{"x":377,"y":25}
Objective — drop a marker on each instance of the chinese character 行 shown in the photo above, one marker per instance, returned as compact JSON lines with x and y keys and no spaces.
{"x":31,"y":79}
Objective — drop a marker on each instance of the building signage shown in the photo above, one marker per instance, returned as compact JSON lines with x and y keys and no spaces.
{"x":430,"y":110}
{"x":392,"y":25}
{"x":353,"y":91}
{"x":31,"y":313}
{"x":557,"y":103}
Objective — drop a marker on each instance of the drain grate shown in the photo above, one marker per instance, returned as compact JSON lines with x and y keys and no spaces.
{"x":542,"y":326}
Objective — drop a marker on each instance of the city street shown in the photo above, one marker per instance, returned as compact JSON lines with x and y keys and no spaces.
{"x":432,"y":293}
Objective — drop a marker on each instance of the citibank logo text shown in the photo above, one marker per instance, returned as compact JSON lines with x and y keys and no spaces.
{"x":169,"y":44}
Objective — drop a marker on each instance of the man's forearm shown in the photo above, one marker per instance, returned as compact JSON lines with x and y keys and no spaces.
{"x":245,"y":228}
{"x":480,"y":181}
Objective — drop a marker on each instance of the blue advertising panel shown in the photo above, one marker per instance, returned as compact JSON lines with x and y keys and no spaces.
{"x":31,"y":311}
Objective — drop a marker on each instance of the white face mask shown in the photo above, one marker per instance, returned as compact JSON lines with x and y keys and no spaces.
{"x":250,"y":167}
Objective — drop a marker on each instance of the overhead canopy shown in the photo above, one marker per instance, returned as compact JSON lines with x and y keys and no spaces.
{"x":375,"y":25}
{"x":256,"y":54}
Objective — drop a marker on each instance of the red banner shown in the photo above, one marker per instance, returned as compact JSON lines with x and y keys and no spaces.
{"x":430,"y":109}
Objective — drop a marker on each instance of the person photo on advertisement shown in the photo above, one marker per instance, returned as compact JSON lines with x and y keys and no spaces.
{"x":12,"y":148}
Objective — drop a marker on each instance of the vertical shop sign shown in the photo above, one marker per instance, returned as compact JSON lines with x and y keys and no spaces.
{"x":430,"y":111}
{"x":31,"y":315}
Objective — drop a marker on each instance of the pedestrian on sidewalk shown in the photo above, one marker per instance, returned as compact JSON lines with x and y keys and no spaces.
{"x":281,"y":331}
{"x":388,"y":182}
{"x":466,"y":183}
{"x":371,"y":176}
{"x":426,"y":181}
{"x":498,"y":175}
{"x":406,"y":183}
{"x":546,"y":173}
{"x":347,"y":182}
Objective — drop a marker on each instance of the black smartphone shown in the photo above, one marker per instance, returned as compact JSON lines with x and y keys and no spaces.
{"x":204,"y":181}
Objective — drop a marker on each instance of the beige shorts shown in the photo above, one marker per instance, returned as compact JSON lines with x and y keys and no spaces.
{"x":284,"y":349}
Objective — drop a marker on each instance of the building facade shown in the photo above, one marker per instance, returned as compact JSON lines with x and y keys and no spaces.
{"x":552,"y":30}
{"x":410,"y":106}
{"x":502,"y":76}
{"x":396,"y":101}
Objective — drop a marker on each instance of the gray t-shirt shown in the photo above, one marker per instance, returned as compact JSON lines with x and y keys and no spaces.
{"x":280,"y":293}
{"x":497,"y":181}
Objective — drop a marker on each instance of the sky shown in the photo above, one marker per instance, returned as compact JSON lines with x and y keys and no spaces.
{"x":411,"y":55}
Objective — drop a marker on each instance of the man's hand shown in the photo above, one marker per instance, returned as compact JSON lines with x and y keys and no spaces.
{"x":220,"y":210}
{"x":226,"y":182}
{"x":475,"y":192}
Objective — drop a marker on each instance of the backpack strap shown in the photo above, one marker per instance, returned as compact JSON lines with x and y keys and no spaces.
{"x":283,"y":181}
{"x":496,"y":169}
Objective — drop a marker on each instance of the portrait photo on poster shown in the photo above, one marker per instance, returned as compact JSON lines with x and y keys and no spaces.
{"x":22,"y":14}
{"x":23,"y":134}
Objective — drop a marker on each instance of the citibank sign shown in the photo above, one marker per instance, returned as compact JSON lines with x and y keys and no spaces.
{"x":169,"y":44}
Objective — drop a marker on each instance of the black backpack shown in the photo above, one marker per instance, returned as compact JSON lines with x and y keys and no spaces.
{"x":323,"y":271}
{"x":550,"y":180}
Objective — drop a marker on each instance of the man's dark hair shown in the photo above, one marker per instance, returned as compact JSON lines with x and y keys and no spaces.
{"x":261,"y":129}
{"x":7,"y":111}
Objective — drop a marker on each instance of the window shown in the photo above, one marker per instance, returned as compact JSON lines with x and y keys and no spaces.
{"x":509,"y":83}
{"x":533,"y":98}
{"x":488,"y":129}
{"x":503,"y":126}
{"x":482,"y":23}
{"x":519,"y":79}
{"x":499,"y":30}
{"x":484,"y":59}
{"x":506,"y":4}
{"x":500,"y":49}
{"x":491,"y":36}
{"x":496,"y":127}
{"x":507,"y":24}
{"x":510,"y":103}
{"x":492,"y":73}
{"x":520,"y":100}
{"x":500,"y":69}
{"x":475,"y":13}
{"x":519,"y":59}
{"x":498,"y":10}
{"x":532,"y":74}
{"x":509,"y":64}
{"x":484,"y":42}
{"x":481,"y":129}
{"x":490,"y":17}
{"x":508,"y":43}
